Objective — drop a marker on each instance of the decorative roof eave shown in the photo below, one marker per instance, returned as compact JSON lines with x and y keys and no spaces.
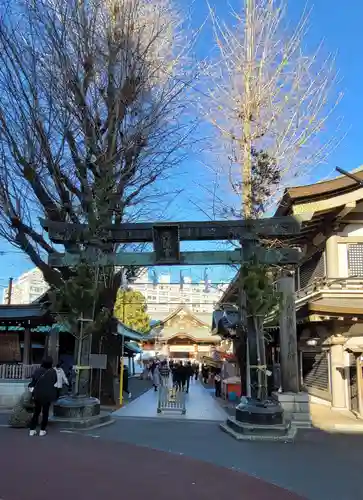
{"x":129,"y":333}
{"x":339,"y":186}
{"x":23,"y":312}
{"x":229,"y":297}
{"x":176,"y":312}
{"x":133,"y":348}
{"x":210,"y":338}
{"x":328,"y":205}
{"x":336,"y":311}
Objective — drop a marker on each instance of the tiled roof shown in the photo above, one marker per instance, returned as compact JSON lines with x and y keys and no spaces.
{"x":21,"y":311}
{"x":195,"y":333}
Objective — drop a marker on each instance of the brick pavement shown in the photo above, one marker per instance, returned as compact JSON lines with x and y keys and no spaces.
{"x":67,"y":466}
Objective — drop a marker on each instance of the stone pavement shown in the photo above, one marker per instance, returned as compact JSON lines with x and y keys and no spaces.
{"x":318,"y":465}
{"x":199,"y":403}
{"x":323,"y":417}
{"x":70,"y":466}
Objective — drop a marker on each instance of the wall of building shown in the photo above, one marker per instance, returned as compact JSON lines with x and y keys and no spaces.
{"x":352,"y":234}
{"x":27,"y":288}
{"x":165,"y":297}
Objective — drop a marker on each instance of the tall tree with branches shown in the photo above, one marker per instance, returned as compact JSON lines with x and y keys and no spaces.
{"x":269,"y":103}
{"x":269,"y":95}
{"x":92,"y":119}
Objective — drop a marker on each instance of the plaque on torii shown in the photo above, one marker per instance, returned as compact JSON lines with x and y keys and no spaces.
{"x":166,"y":239}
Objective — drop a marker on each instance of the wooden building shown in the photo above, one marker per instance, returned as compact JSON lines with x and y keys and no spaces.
{"x":182,"y":335}
{"x":328,"y":291}
{"x":23,"y":338}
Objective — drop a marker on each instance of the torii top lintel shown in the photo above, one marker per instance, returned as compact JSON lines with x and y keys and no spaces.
{"x":188,"y":231}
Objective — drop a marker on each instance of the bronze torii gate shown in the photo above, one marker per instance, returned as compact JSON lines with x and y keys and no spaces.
{"x":166,"y":237}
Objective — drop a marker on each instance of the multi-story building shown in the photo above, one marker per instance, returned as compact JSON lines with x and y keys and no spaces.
{"x":27,"y":288}
{"x":163,"y":297}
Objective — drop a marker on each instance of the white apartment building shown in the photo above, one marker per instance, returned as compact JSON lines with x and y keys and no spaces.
{"x":27,"y":288}
{"x":164,"y":297}
{"x":161,"y":298}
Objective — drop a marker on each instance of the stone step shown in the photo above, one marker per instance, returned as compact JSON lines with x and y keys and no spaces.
{"x":288,"y":437}
{"x":95,"y":421}
{"x":252,"y":429}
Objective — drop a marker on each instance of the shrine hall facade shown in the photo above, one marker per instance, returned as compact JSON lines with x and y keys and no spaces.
{"x":182,"y":335}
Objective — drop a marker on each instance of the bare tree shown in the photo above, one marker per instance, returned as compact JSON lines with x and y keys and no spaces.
{"x":92,"y":119}
{"x":269,"y":103}
{"x":269,"y":96}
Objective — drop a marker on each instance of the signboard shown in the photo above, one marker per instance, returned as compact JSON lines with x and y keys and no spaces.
{"x":166,"y":244}
{"x":188,"y":231}
{"x":98,"y":361}
{"x":148,"y":259}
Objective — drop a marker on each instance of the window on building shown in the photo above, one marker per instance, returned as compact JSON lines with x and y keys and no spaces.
{"x":355,"y":259}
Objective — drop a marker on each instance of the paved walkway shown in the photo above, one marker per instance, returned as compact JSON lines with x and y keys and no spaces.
{"x":317,"y":466}
{"x":63,"y":466}
{"x":323,"y":417}
{"x":199,"y":404}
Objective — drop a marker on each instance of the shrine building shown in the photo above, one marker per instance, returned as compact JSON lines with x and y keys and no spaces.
{"x":182,"y":335}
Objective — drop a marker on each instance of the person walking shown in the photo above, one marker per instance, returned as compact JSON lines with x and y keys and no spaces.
{"x":205,"y":374}
{"x":164,"y":373}
{"x":44,"y":391}
{"x":218,"y":384}
{"x":182,"y":376}
{"x":125,"y":381}
{"x":196,"y":371}
{"x":61,"y":379}
{"x":156,"y":377}
{"x":189,"y":374}
{"x":175,"y":375}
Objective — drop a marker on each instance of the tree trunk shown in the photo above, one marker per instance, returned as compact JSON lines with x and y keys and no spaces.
{"x":261,"y":359}
{"x":105,"y":342}
{"x":240,"y":348}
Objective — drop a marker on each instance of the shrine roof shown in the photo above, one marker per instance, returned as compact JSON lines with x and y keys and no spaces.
{"x":129,"y":333}
{"x":336,"y":201}
{"x":195,"y":333}
{"x":21,"y":312}
{"x":320,"y":190}
{"x":201,"y":319}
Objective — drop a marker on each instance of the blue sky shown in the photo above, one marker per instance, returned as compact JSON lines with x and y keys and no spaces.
{"x":340,"y":26}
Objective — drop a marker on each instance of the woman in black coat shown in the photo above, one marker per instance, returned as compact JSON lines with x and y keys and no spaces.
{"x":44,"y":393}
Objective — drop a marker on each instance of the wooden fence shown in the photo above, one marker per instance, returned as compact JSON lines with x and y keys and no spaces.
{"x":17,"y":372}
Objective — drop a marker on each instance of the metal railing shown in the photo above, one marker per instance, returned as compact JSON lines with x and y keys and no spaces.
{"x":17,"y":372}
{"x":334,"y":284}
{"x":171,"y":400}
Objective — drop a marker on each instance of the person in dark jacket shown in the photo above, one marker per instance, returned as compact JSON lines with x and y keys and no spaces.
{"x":196,"y":371}
{"x":175,"y":374}
{"x":182,"y":376}
{"x":189,"y":374}
{"x":125,"y":381}
{"x":44,"y":390}
{"x":164,"y":373}
{"x":218,"y":383}
{"x":205,"y":373}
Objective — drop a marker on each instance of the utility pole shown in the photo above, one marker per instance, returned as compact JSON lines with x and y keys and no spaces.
{"x":10,"y":291}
